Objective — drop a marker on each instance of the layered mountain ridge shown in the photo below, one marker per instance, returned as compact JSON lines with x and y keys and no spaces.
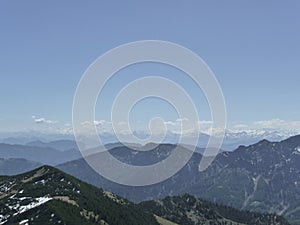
{"x":264,"y":177}
{"x":49,"y":196}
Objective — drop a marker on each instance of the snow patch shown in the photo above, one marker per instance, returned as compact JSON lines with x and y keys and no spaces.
{"x":297,"y":150}
{"x":24,"y":221}
{"x":23,"y":198}
{"x":37,"y":202}
{"x":40,"y":182}
{"x":3,"y":219}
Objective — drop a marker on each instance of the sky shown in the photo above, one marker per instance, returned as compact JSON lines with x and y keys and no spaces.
{"x":251,"y":46}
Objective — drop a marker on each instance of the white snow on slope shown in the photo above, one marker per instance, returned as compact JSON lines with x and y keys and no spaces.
{"x":37,"y":202}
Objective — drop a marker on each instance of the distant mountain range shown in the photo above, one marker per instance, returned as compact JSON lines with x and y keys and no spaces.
{"x":62,"y":145}
{"x":16,"y":166}
{"x":263,"y":177}
{"x":49,"y":196}
{"x":43,"y":155}
{"x":231,"y":141}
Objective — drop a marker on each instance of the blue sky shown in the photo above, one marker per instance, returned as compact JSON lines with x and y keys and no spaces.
{"x":251,"y":46}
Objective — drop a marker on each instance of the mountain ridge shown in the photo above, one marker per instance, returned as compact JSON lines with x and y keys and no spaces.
{"x":263,"y":177}
{"x":49,"y":196}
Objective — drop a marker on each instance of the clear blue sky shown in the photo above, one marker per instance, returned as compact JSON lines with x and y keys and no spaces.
{"x":253,"y":47}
